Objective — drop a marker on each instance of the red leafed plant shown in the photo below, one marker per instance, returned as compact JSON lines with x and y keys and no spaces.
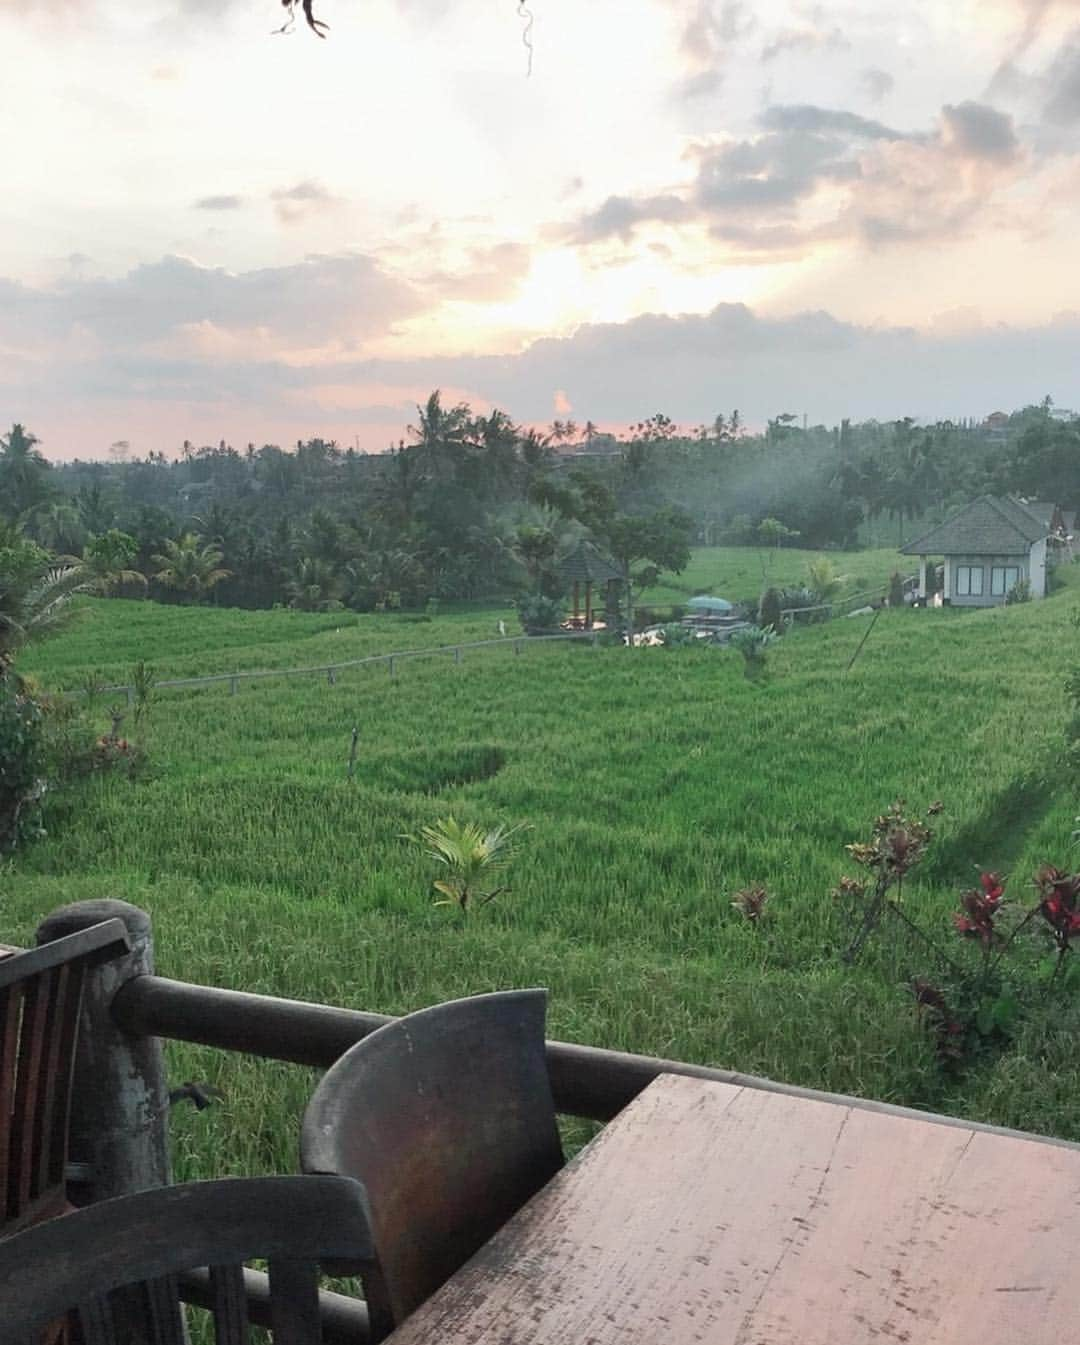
{"x":969,"y":1009}
{"x":1058,"y":903}
{"x":980,"y":908}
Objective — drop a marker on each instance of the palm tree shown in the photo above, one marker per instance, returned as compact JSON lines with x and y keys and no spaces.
{"x":35,"y":601}
{"x":440,"y":435}
{"x":106,"y":565}
{"x":22,"y":471}
{"x":471,"y":859}
{"x":189,"y":566}
{"x":58,"y":526}
{"x":96,"y":510}
{"x":536,"y":546}
{"x":314,"y":586}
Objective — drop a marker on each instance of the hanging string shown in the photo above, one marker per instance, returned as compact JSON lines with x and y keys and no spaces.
{"x":525,"y":14}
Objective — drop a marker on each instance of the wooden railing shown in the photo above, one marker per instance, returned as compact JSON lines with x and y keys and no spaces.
{"x":119,"y":1123}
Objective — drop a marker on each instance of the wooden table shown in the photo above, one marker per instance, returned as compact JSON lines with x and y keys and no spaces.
{"x":706,"y":1212}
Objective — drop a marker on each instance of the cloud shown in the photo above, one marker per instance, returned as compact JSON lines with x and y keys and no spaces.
{"x":805,"y":117}
{"x":619,"y":215}
{"x":711,"y":31}
{"x":816,"y":173}
{"x":219,"y":203}
{"x":295,"y":204}
{"x":1062,"y":85}
{"x":778,"y":170}
{"x":689,"y":365}
{"x":977,"y":131}
{"x":804,"y":40}
{"x":345,"y":297}
{"x":1035,"y":16}
{"x":490,"y":274}
{"x":878,"y":84}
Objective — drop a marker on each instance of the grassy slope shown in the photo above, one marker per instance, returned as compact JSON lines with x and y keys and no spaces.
{"x":656,"y":783}
{"x":740,"y":572}
{"x":114,"y":635}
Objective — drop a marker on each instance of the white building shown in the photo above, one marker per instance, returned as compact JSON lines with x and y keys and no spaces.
{"x":988,"y":547}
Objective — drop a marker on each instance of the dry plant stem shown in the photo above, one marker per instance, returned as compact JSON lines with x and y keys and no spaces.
{"x":870,"y":921}
{"x":915,"y":929}
{"x":1009,"y":941}
{"x":1058,"y":964}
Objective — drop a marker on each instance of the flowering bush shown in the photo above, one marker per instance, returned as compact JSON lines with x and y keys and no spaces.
{"x":969,"y":1008}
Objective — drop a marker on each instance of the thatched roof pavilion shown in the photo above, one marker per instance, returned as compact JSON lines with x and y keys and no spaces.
{"x":586,"y":565}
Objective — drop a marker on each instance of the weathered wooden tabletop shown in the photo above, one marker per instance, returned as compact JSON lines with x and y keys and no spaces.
{"x":734,"y":1216}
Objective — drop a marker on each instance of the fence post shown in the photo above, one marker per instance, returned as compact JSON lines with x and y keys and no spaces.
{"x":120,"y":1100}
{"x":330,"y":678}
{"x":234,"y":686}
{"x":457,"y":653}
{"x":390,"y":662}
{"x":517,"y":646}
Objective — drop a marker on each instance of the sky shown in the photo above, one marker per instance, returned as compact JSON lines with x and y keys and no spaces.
{"x":211,"y":231}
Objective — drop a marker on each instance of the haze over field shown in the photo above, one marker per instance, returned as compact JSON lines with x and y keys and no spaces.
{"x":847,"y":210}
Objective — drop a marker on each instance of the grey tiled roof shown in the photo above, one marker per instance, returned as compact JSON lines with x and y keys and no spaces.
{"x":989,"y":526}
{"x":587,"y":563}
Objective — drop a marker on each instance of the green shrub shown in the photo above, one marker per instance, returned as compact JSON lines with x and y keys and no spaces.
{"x":22,"y":764}
{"x":678,"y":637}
{"x":896,"y":589}
{"x":1020,"y":592}
{"x":769,"y":610}
{"x":751,"y":642}
{"x":538,"y":613}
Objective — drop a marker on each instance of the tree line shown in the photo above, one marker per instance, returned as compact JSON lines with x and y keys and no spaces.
{"x":472,"y":505}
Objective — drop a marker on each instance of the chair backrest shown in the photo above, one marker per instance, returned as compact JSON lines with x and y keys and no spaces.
{"x":108,"y":1260}
{"x":447,"y":1118}
{"x":40,"y":1000}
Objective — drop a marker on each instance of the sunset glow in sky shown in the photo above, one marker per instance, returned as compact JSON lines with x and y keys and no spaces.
{"x":690,"y":205}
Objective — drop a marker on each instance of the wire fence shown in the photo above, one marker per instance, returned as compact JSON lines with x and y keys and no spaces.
{"x":331,"y":670}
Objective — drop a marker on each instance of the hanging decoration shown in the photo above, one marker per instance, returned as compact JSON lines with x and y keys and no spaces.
{"x":316,"y":25}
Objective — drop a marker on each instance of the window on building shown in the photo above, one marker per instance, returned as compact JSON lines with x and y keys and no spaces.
{"x":969,"y":581}
{"x":1003,"y":578}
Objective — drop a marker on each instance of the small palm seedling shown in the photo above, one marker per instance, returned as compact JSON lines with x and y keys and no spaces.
{"x":472,"y":859}
{"x":142,"y":686}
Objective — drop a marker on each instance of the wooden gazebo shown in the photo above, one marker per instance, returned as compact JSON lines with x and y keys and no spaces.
{"x":586,"y":565}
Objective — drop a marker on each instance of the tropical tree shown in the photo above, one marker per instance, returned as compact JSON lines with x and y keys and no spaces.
{"x":23,"y":472}
{"x":440,"y":436}
{"x":653,"y":542}
{"x":107,"y":563}
{"x":190,"y":567}
{"x":315,"y":587}
{"x":535,"y":545}
{"x":58,"y":525}
{"x":96,"y":510}
{"x":35,"y":595}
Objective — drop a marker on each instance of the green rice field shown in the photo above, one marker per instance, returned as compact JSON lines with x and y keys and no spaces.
{"x":655,"y":783}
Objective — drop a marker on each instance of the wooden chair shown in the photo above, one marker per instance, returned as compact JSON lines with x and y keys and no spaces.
{"x":40,"y":1000}
{"x":108,"y":1260}
{"x":447,"y":1118}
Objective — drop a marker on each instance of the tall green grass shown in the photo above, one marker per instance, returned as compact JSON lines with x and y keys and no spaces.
{"x":656,"y":783}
